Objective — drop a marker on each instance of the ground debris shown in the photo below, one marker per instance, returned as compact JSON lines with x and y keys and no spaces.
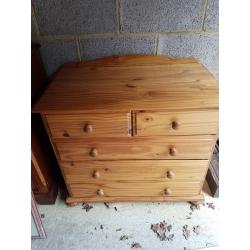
{"x":185,"y":232}
{"x":170,"y":237}
{"x":107,"y":205}
{"x":119,"y":229}
{"x":193,"y":207}
{"x":101,"y":226}
{"x":135,"y":245}
{"x":86,"y":206}
{"x":115,"y":209}
{"x":210,"y":205}
{"x":42,"y":216}
{"x":188,"y":217}
{"x":124,"y":237}
{"x":196,"y":229}
{"x":160,"y":229}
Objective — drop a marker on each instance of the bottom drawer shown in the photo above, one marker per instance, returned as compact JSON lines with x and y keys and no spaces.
{"x":134,"y":189}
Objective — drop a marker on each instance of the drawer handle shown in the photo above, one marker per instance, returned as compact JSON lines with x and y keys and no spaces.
{"x":93,"y":152}
{"x":88,"y":128}
{"x":172,"y":151}
{"x":170,"y":174}
{"x":175,"y":125}
{"x":100,"y":192}
{"x":167,"y":191}
{"x":65,"y":134}
{"x":96,"y":174}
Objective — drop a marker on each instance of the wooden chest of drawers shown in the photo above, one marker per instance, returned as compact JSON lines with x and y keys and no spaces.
{"x":132,"y":127}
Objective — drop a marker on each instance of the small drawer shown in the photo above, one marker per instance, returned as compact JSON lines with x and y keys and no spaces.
{"x":172,"y":147}
{"x":176,"y":123}
{"x":89,"y":125}
{"x":134,"y":189}
{"x":129,"y":170}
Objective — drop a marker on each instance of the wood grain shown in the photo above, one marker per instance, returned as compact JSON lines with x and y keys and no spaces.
{"x":70,"y":199}
{"x":191,"y":122}
{"x":129,"y":170}
{"x":136,"y":188}
{"x":103,"y":125}
{"x":144,"y":86}
{"x":187,"y":147}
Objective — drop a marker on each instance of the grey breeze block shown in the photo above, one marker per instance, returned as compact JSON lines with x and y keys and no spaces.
{"x":61,"y":17}
{"x":203,"y":47}
{"x":56,"y":52}
{"x":161,"y":15}
{"x":100,"y":47}
{"x":212,"y":15}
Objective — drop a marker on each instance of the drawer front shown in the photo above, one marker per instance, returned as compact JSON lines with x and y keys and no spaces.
{"x":176,"y":123}
{"x":172,"y":147}
{"x":134,"y":188}
{"x":141,"y":171}
{"x":89,"y":125}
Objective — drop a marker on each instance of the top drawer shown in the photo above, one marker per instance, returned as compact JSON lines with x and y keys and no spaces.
{"x":89,"y":125}
{"x":190,"y":122}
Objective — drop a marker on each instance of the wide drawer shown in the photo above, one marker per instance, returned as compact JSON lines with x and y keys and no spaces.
{"x":176,"y":122}
{"x":138,"y":170}
{"x":168,"y":147}
{"x":89,"y":125}
{"x":134,"y":188}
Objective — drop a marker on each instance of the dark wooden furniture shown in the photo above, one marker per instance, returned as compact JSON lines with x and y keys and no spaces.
{"x":43,"y":162}
{"x":212,"y":177}
{"x":132,"y":128}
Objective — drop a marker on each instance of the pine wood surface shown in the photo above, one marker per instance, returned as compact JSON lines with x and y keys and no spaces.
{"x":138,"y":170}
{"x":175,"y":84}
{"x":187,"y":147}
{"x":118,"y":125}
{"x":191,"y":122}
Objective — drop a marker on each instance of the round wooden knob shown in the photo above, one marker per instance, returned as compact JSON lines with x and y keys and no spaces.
{"x":100,"y":192}
{"x":170,"y":174}
{"x":167,"y":191}
{"x":93,"y":152}
{"x":96,"y":174}
{"x":88,"y":128}
{"x":175,"y":125}
{"x":172,"y":151}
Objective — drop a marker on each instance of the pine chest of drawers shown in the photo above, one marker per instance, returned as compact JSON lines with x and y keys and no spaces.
{"x":132,"y":127}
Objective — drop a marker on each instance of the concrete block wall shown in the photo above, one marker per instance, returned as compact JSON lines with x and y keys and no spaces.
{"x":79,"y":30}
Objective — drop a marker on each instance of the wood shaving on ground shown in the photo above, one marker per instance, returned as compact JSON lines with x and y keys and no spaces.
{"x":135,"y":245}
{"x":170,"y":237}
{"x":193,"y":207}
{"x":124,"y":237}
{"x":86,"y":207}
{"x":210,"y":205}
{"x":196,"y":229}
{"x":107,"y":206}
{"x":185,"y":232}
{"x":119,"y":229}
{"x":160,"y":229}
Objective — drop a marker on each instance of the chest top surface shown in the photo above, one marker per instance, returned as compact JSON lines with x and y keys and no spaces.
{"x":125,"y":83}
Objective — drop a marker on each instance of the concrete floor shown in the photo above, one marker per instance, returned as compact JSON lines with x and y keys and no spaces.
{"x":72,"y":228}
